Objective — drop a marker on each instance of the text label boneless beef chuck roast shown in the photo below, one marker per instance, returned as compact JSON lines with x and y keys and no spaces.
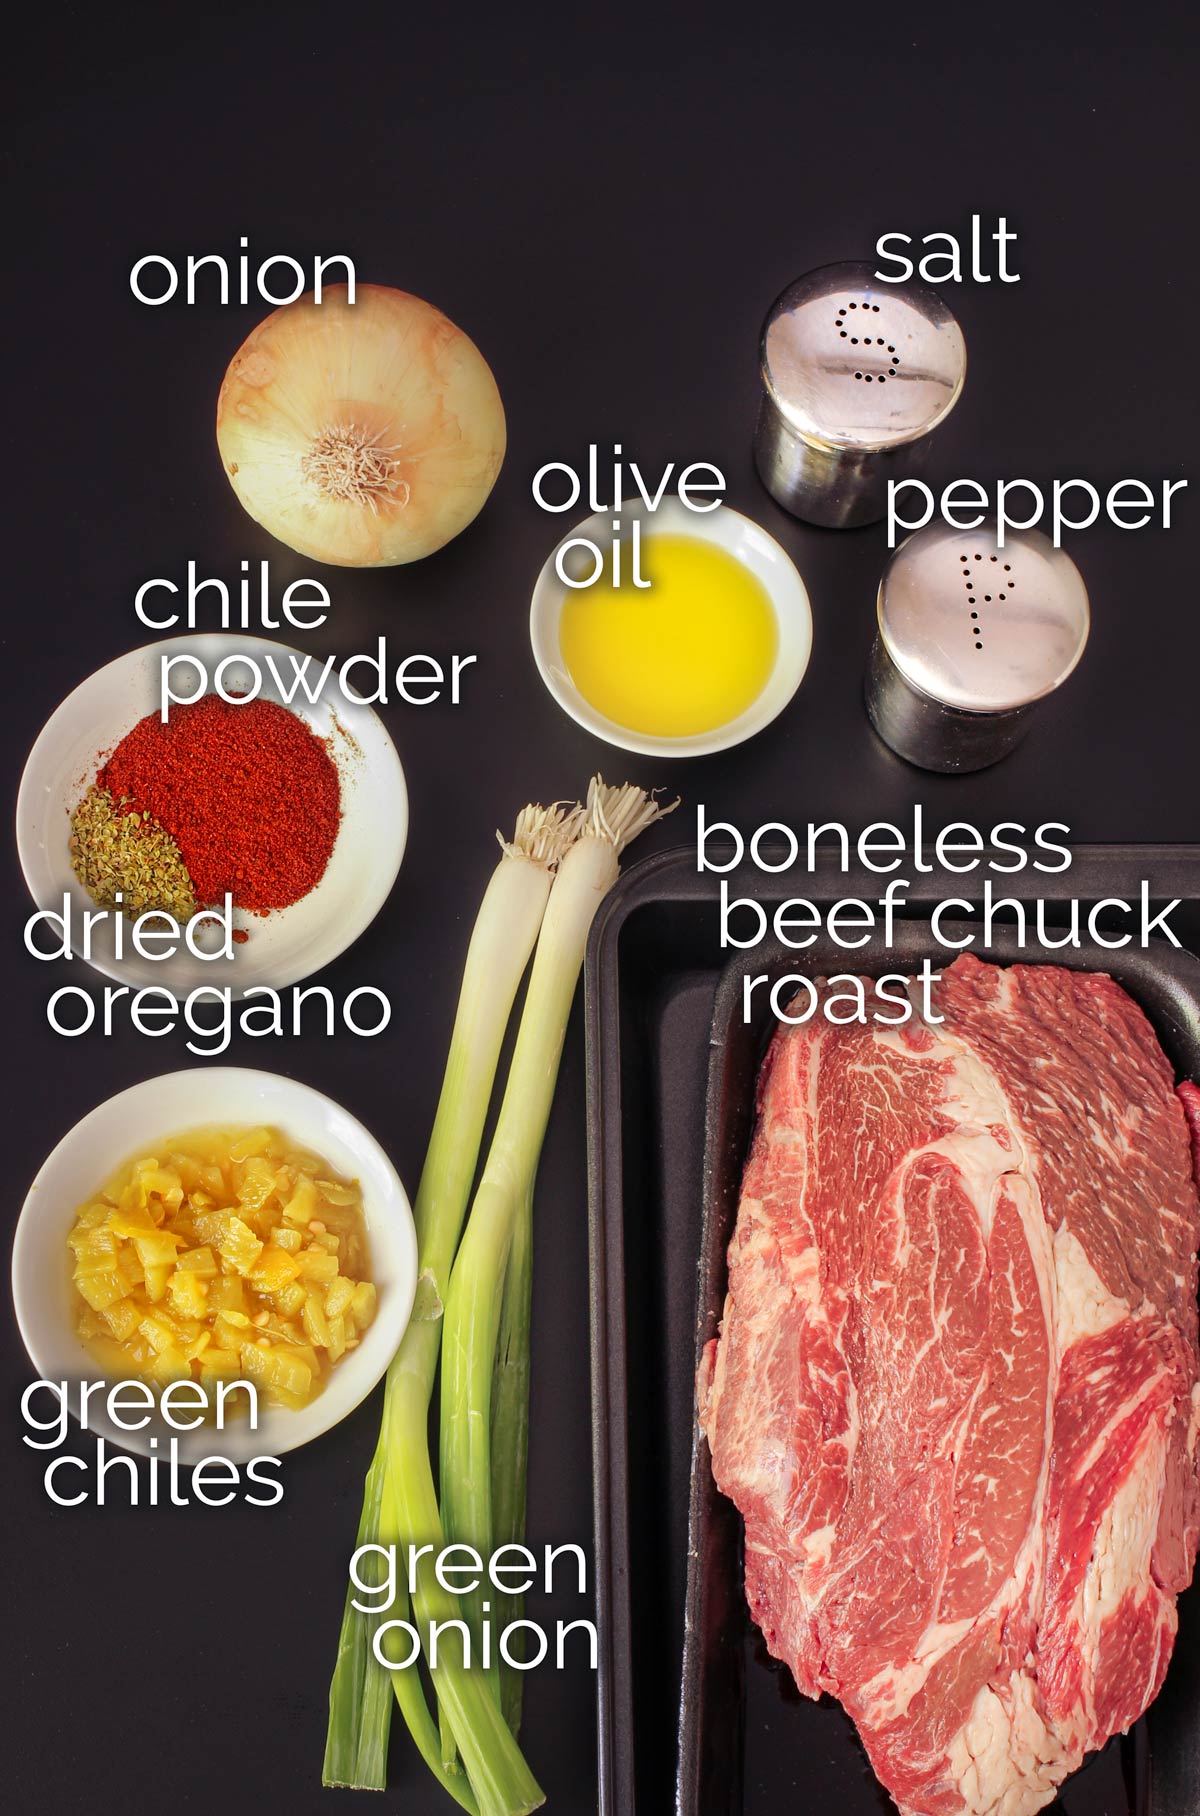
{"x":955,"y":1395}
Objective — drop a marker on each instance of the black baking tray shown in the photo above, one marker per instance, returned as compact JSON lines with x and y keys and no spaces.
{"x":713,"y":1727}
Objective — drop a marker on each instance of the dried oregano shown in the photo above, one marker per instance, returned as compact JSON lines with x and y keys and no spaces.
{"x":114,"y":851}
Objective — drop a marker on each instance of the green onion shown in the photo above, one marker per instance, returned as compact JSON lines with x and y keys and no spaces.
{"x":399,"y":1498}
{"x":471,"y":1326}
{"x":501,"y":1781}
{"x":510,"y":1434}
{"x":475,"y":1310}
{"x":360,"y":1697}
{"x":407,"y":1683}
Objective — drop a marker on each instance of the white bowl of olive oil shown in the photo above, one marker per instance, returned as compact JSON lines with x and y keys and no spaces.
{"x":694,"y":634}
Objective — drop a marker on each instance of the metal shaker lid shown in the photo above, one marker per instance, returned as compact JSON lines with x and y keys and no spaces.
{"x":853,"y":363}
{"x":979,"y":627}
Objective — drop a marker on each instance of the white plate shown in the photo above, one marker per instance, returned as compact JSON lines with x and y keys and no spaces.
{"x":284,"y":946}
{"x":740,"y":537}
{"x":128,"y":1125}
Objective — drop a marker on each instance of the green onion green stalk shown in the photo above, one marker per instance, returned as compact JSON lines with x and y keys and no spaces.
{"x":510,"y":1433}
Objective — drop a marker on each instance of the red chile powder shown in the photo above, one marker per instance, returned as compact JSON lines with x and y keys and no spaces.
{"x":248,"y":792}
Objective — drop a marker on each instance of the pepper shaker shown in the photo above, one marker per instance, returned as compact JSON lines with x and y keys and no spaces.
{"x":856,"y":376}
{"x":971,"y":636}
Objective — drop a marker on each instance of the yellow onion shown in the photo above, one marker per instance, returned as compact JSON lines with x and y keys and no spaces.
{"x":363,"y":434}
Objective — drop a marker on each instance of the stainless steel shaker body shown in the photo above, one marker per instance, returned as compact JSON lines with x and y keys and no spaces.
{"x":970,"y":637}
{"x":856,"y":376}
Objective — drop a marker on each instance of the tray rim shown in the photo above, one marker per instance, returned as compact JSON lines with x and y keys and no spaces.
{"x":671,"y":875}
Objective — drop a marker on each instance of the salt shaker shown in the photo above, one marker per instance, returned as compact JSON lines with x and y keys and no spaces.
{"x":971,"y":637}
{"x":856,"y":376}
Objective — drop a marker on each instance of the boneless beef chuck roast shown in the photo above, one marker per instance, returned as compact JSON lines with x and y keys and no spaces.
{"x":955,"y":1395}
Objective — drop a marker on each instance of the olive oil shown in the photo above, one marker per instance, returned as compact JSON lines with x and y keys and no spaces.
{"x":687,"y":654}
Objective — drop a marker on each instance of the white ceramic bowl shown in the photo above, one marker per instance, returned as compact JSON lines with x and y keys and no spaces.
{"x":127,"y":1125}
{"x":283,"y":947}
{"x":740,"y":537}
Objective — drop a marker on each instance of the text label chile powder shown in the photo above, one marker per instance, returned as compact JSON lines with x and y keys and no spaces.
{"x":248,"y":791}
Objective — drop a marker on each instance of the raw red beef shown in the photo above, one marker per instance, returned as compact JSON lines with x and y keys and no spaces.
{"x":956,"y":1394}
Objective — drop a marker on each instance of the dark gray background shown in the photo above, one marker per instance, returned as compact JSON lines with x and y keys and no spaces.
{"x":607,"y":205}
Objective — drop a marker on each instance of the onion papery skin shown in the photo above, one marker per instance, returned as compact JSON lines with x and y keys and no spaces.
{"x":389,"y":371}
